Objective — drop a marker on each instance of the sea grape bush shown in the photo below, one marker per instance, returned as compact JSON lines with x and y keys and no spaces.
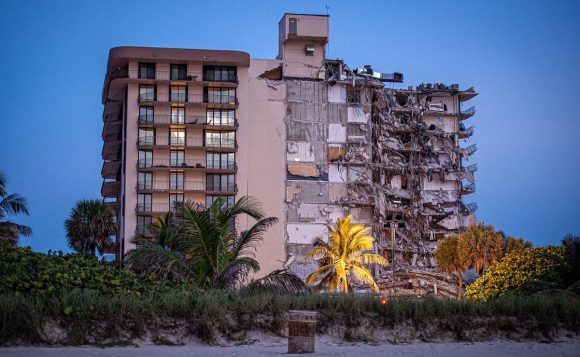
{"x":26,"y":272}
{"x":516,"y":269}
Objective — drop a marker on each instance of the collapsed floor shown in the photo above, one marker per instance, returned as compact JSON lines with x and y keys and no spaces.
{"x":389,"y":157}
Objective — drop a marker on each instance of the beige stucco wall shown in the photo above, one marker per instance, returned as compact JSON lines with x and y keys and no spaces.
{"x":131,"y":156}
{"x":261,"y":155}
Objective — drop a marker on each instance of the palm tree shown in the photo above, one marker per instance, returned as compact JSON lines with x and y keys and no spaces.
{"x":201,"y":244}
{"x":11,"y":204}
{"x":571,"y":247}
{"x":90,"y":226}
{"x":449,"y":260}
{"x":344,"y":257}
{"x":512,"y":244}
{"x":481,"y":246}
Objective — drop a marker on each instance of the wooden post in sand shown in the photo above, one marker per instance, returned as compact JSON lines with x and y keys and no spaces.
{"x":301,"y":331}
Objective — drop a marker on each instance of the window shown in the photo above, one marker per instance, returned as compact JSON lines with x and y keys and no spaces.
{"x":220,"y":139}
{"x":178,"y":94}
{"x":177,"y":115}
{"x":177,"y":158}
{"x":220,"y":95}
{"x":146,"y":136}
{"x":145,"y":181}
{"x":210,"y":199}
{"x":221,"y":117}
{"x":146,"y":115}
{"x":144,"y":202}
{"x":144,"y":225}
{"x":178,"y":72}
{"x":176,"y":181}
{"x":145,"y":158}
{"x":175,"y":200}
{"x":220,"y":74}
{"x":146,"y":93}
{"x":177,"y":137}
{"x":216,"y":182}
{"x":223,"y":161}
{"x":147,"y":70}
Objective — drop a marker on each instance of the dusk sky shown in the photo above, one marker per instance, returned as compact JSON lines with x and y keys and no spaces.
{"x":523,"y":57}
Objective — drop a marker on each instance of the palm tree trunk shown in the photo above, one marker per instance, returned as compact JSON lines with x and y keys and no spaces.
{"x":460,"y":288}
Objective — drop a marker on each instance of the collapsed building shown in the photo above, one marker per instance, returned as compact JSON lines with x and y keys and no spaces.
{"x":390,"y":157}
{"x":311,"y":138}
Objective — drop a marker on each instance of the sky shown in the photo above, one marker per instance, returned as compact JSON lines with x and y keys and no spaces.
{"x":523,"y":57}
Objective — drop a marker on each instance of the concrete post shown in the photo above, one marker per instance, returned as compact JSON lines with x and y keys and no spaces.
{"x":301,"y":331}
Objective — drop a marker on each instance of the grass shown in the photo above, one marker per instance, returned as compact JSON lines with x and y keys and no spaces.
{"x":89,"y":316}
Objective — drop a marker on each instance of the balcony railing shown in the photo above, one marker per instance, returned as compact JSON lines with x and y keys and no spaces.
{"x":159,"y":75}
{"x":220,"y":165}
{"x":160,"y":163}
{"x":220,"y":142}
{"x":232,"y":187}
{"x":178,"y":120}
{"x":169,"y":141}
{"x":154,"y":207}
{"x":171,"y":119}
{"x":143,"y":230}
{"x":465,"y":132}
{"x":189,"y":98}
{"x":470,"y":168}
{"x":468,"y":187}
{"x":471,"y":207}
{"x":468,"y":112}
{"x":171,"y":185}
{"x":220,"y":99}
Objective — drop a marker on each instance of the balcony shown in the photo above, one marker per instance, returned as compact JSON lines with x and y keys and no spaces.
{"x":470,"y":168}
{"x":110,"y":188}
{"x":465,"y":133}
{"x":170,"y":163}
{"x":228,"y":188}
{"x":159,"y":186}
{"x":166,"y":97}
{"x":159,"y":208}
{"x":468,"y":151}
{"x":165,"y":75}
{"x":221,"y":165}
{"x":471,"y":207}
{"x":467,"y":189}
{"x":187,"y":120}
{"x":110,"y":169}
{"x":466,"y":114}
{"x":143,"y":230}
{"x":158,"y":141}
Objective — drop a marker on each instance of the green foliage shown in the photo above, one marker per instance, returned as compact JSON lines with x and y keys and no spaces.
{"x":25,"y":271}
{"x":11,"y":204}
{"x":90,"y":226}
{"x":517,"y":269}
{"x":89,"y":315}
{"x":202,"y":244}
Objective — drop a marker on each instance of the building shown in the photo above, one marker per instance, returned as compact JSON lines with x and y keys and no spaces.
{"x":310,"y":138}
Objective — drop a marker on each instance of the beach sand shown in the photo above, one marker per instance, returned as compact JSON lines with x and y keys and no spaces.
{"x":275,"y":346}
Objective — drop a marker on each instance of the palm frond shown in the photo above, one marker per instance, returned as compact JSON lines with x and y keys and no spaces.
{"x":279,"y":281}
{"x":159,"y":261}
{"x":235,"y":273}
{"x":364,"y":276}
{"x":369,"y":258}
{"x":250,"y":238}
{"x":13,"y":204}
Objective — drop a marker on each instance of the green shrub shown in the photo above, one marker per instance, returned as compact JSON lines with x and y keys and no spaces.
{"x":517,"y":269}
{"x":25,"y":271}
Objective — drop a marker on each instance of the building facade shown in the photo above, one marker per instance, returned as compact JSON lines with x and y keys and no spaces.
{"x":309,"y":137}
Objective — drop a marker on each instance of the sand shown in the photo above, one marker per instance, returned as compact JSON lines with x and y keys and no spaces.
{"x":324,"y":347}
